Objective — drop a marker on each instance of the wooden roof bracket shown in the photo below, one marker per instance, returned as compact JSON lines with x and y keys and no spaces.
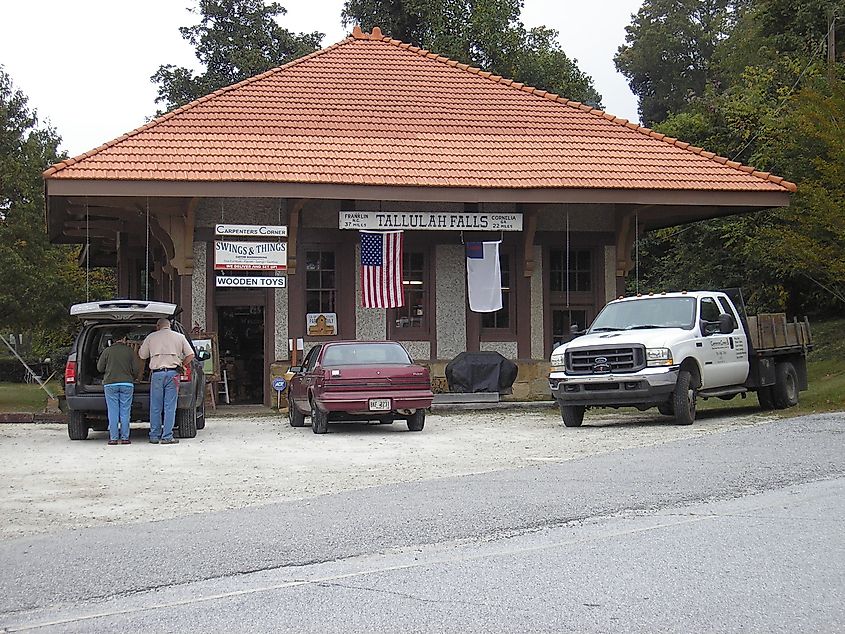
{"x":528,"y":231}
{"x":293,"y":233}
{"x":180,"y":230}
{"x":626,"y":225}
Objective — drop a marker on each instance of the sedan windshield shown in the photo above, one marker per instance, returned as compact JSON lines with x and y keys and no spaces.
{"x":651,"y":312}
{"x":365,"y":353}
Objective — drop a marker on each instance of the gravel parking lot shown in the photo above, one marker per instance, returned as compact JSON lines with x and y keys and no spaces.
{"x":50,"y":483}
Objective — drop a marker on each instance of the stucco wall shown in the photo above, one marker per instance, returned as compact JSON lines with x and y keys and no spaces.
{"x":198,"y":286}
{"x":507,"y":349}
{"x":419,"y":350}
{"x":280,"y":297}
{"x":609,"y":273}
{"x":451,"y":300}
{"x":241,"y":211}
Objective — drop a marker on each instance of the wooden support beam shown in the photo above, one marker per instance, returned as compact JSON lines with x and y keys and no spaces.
{"x":529,"y":229}
{"x":293,"y":233}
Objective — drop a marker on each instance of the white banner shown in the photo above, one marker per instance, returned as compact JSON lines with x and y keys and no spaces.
{"x":250,"y":256}
{"x":429,"y":220}
{"x":227,"y":281}
{"x":255,"y":231}
{"x":484,"y":277}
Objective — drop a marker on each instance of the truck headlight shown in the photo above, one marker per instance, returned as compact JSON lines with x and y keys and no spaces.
{"x":557,"y":362}
{"x":658,"y":356}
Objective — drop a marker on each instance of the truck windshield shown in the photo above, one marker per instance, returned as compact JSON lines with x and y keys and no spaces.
{"x":650,"y":312}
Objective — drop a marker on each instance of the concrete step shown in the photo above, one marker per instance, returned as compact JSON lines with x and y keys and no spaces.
{"x":456,"y":398}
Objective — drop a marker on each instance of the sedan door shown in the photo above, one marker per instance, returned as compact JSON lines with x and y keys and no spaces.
{"x":301,"y":381}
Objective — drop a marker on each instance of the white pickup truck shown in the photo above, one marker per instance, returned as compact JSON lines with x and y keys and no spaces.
{"x":666,"y":350}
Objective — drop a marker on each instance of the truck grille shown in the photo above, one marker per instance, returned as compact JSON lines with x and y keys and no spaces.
{"x":605,"y":360}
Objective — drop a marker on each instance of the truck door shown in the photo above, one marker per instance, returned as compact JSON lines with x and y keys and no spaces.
{"x":737,"y":353}
{"x":716,"y":370}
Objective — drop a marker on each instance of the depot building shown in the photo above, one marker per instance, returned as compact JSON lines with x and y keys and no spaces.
{"x":247,"y":207}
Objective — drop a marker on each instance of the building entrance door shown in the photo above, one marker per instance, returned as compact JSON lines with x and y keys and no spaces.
{"x":241,"y":341}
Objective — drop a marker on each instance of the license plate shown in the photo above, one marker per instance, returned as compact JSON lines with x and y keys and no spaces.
{"x":379,"y":404}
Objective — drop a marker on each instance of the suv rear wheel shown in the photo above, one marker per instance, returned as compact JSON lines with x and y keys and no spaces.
{"x":186,"y":422}
{"x":77,"y":426}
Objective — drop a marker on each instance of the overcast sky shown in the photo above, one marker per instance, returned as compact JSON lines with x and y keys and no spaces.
{"x":85,"y":64}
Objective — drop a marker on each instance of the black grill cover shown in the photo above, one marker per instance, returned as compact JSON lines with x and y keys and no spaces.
{"x":480,"y":372}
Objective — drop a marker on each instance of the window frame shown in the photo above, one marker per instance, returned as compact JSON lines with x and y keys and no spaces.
{"x":422,"y":332}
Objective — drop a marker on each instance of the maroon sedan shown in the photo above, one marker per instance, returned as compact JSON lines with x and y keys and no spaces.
{"x":359,"y":380}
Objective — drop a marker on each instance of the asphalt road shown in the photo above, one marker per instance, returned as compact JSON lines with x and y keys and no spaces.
{"x":736,"y":531}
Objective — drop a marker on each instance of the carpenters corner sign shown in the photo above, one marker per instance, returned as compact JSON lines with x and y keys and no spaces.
{"x":256,"y":231}
{"x":430,"y":220}
{"x":250,"y":256}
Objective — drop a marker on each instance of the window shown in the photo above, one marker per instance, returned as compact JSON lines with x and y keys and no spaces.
{"x":320,"y":282}
{"x":709,"y":309}
{"x":414,"y":313}
{"x":501,"y":319}
{"x":580,"y":268}
{"x":412,"y":321}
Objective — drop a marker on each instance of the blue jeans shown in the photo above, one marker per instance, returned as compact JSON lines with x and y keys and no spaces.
{"x":164,"y":388}
{"x":119,"y":403}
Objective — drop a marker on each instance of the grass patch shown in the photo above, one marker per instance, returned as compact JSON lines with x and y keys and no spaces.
{"x":20,"y":397}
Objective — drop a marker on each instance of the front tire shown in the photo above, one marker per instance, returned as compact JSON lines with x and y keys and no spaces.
{"x":295,"y":417}
{"x":416,"y":421}
{"x":785,"y":389}
{"x":573,"y":415}
{"x":684,"y":399}
{"x":77,"y":426}
{"x":186,"y":422}
{"x":201,"y":416}
{"x":319,"y":420}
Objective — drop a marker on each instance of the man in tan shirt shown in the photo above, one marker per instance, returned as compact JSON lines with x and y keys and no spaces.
{"x":168,"y":352}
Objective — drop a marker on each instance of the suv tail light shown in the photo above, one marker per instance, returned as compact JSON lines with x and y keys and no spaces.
{"x":186,"y":374}
{"x":70,"y":372}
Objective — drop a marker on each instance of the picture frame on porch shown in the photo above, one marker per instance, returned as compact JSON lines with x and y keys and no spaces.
{"x":208,"y":341}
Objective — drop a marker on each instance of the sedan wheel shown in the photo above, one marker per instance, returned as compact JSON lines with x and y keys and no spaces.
{"x":416,"y":421}
{"x":319,"y":420}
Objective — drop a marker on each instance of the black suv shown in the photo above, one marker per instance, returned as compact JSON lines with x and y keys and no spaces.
{"x":84,"y":394}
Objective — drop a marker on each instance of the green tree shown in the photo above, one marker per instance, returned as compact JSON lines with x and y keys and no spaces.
{"x":234,"y":40}
{"x":38,"y":280}
{"x":487,"y":34}
{"x":668,"y":52}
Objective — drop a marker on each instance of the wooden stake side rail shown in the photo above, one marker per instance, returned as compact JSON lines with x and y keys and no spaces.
{"x":772,"y":331}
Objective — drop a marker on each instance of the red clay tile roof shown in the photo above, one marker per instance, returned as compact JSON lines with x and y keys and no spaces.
{"x":374,"y":111}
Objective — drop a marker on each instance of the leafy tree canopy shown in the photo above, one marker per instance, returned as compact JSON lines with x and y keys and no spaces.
{"x":487,"y":34}
{"x":234,"y":40}
{"x":668,"y":50}
{"x":38,"y":281}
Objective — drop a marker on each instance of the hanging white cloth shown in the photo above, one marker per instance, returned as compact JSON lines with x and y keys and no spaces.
{"x":484,"y":277}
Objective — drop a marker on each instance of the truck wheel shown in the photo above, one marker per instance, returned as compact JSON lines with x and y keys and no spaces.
{"x":666,"y":409}
{"x":295,"y":417}
{"x":573,"y":415}
{"x":319,"y":420}
{"x":416,"y":421}
{"x":785,"y":390}
{"x":77,"y":427}
{"x":201,"y":416}
{"x":766,"y":398}
{"x":186,"y":422}
{"x":684,"y":398}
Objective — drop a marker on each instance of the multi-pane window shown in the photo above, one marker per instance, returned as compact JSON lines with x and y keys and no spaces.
{"x":501,"y":319}
{"x":413,"y":313}
{"x":320,"y":282}
{"x":579,"y":268}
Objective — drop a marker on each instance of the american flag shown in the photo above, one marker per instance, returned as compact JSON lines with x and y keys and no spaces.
{"x":381,"y":269}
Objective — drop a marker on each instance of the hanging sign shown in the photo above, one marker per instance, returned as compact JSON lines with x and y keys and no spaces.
{"x":321,"y":324}
{"x":255,"y":231}
{"x":232,"y":281}
{"x":429,"y":220}
{"x":250,"y":256}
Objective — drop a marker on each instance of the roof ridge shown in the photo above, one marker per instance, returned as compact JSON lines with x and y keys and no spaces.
{"x":57,"y":167}
{"x":377,"y":35}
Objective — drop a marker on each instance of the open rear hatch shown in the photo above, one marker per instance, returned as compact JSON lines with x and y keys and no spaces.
{"x":123,"y":309}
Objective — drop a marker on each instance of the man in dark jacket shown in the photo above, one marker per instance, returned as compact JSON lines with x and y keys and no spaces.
{"x":120,"y":365}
